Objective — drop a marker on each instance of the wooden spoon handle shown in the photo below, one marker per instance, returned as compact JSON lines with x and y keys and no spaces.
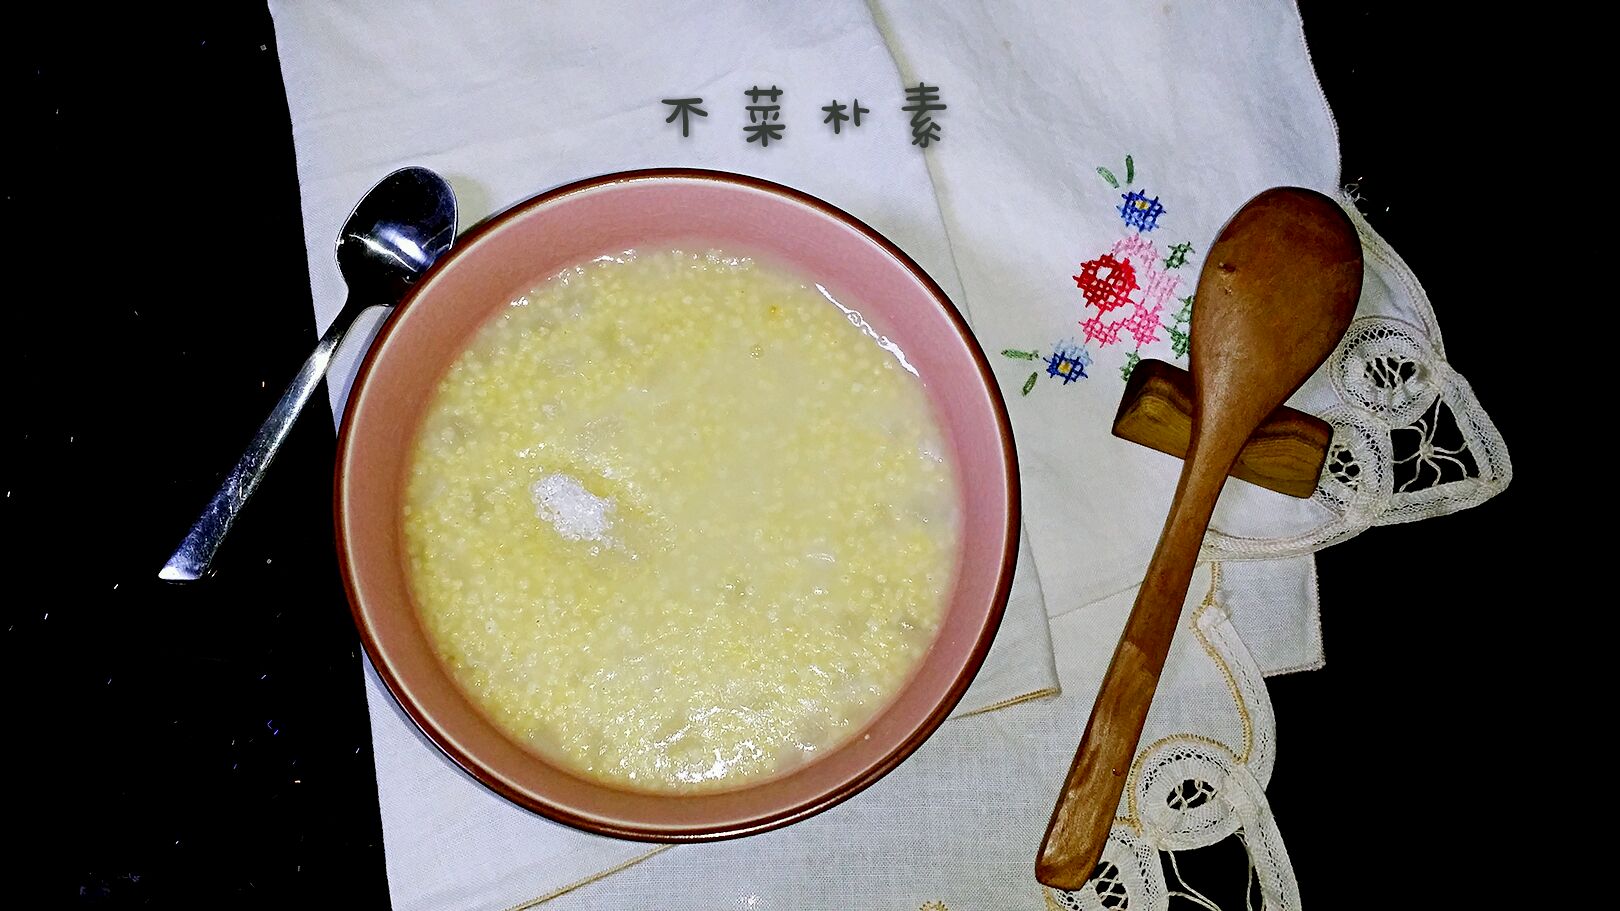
{"x":1086,"y":806}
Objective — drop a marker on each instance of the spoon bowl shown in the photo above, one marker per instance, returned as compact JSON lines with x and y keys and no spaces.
{"x":397,"y":232}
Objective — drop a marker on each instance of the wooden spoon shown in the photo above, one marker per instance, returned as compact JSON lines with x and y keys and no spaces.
{"x":1275,"y":295}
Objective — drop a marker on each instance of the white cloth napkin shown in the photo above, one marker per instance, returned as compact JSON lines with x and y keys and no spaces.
{"x":1043,"y":107}
{"x":507,"y":100}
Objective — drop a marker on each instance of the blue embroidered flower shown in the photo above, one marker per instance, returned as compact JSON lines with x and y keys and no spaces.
{"x":1139,"y":211}
{"x":1068,"y":362}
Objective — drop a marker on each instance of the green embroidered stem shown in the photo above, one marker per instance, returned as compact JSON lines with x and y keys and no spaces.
{"x":1179,"y":340}
{"x":1030,"y":383}
{"x":1181,"y":329}
{"x":1130,"y":170}
{"x":1131,"y":360}
{"x":1020,"y":355}
{"x":1109,"y":176}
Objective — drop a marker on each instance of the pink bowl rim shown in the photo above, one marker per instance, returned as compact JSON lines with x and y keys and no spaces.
{"x":947,"y":700}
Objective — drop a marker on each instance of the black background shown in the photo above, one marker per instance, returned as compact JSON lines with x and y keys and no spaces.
{"x":170,"y":746}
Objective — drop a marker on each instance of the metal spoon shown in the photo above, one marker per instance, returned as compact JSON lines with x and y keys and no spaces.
{"x":1275,"y":295}
{"x":401,"y":226}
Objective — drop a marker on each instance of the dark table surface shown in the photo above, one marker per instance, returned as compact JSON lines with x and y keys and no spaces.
{"x":169,"y":746}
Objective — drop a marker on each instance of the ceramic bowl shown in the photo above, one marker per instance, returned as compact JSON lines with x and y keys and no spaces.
{"x":508,"y":255}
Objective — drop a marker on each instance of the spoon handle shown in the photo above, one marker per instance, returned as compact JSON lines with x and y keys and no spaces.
{"x":1086,"y":806}
{"x":192,"y":558}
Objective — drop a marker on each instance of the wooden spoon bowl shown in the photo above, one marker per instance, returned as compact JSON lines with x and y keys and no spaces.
{"x":1276,"y":293}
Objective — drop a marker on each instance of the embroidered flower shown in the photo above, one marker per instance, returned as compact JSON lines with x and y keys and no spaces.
{"x":1158,"y":289}
{"x":1068,"y":362}
{"x":1143,"y":325}
{"x":1139,"y":211}
{"x":1136,"y":278}
{"x":1104,"y":334}
{"x":1106,"y":282}
{"x":1138,"y":249}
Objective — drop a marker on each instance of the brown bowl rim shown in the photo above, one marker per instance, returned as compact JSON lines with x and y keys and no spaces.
{"x":804,"y":809}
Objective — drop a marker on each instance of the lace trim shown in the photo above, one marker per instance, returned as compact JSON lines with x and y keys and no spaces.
{"x":1132,"y":817}
{"x":1410,"y":439}
{"x":1191,"y":790}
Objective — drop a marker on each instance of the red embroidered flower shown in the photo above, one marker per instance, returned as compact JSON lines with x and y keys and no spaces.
{"x":1106,"y":282}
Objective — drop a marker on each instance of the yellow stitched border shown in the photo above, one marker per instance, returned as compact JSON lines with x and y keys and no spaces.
{"x":1131,"y":818}
{"x":1038,"y":694}
{"x":588,"y":880}
{"x":1226,"y":670}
